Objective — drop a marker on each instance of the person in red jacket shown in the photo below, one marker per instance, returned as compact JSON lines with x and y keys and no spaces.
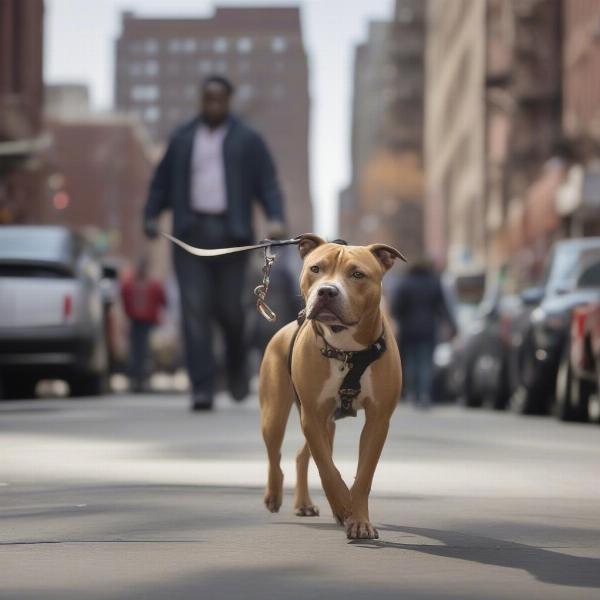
{"x":143,"y":300}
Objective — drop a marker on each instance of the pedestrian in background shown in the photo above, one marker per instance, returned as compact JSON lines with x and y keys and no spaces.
{"x":214,"y":168}
{"x":419,"y":306}
{"x":143,"y":301}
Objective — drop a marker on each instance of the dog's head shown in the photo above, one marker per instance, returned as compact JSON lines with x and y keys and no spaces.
{"x":342,"y":284}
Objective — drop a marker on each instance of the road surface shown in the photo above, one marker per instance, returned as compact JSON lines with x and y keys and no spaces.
{"x":133,"y":497}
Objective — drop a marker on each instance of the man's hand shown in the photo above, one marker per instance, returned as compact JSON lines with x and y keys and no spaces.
{"x":276,"y":230}
{"x":151,"y":228}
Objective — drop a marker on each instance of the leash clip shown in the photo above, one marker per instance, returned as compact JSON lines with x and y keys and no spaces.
{"x":260,"y":291}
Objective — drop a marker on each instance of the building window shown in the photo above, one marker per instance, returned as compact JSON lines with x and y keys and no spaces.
{"x":244,"y":92}
{"x":175,"y":46}
{"x":135,"y":69}
{"x":151,"y":46}
{"x":149,"y":93}
{"x":189,"y":45}
{"x":152,"y":68}
{"x":152,"y":114}
{"x":244,"y":45}
{"x":220,"y":45}
{"x":279,"y":44}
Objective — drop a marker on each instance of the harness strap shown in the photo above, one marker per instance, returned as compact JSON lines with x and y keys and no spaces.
{"x":357,"y":363}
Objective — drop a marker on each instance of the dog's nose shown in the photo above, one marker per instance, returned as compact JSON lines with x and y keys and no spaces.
{"x":329,"y":291}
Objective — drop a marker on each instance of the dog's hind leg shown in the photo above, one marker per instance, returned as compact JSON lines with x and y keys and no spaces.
{"x":275,"y":403}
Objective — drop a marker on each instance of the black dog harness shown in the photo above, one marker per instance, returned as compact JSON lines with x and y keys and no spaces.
{"x":356,"y":362}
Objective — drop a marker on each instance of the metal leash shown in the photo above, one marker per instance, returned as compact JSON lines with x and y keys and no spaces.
{"x":260,"y":291}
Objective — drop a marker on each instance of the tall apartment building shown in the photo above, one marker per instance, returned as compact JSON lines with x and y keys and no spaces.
{"x":578,"y":202}
{"x":523,"y":127}
{"x":384,"y":198}
{"x":21,"y":94}
{"x":454,"y":134}
{"x":161,"y":62}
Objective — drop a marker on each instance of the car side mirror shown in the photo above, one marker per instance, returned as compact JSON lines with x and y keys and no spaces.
{"x":532,"y":296}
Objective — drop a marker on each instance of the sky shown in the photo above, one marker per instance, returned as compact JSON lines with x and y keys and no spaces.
{"x":79,"y":47}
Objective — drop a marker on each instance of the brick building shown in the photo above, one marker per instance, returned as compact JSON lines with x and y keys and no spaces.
{"x":21,"y":97}
{"x":454,"y":134}
{"x":523,"y":131}
{"x":98,"y":169}
{"x":578,"y":199}
{"x":160,"y":63}
{"x":384,"y":198}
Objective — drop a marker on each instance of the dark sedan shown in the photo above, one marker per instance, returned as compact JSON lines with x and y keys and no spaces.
{"x":539,"y":339}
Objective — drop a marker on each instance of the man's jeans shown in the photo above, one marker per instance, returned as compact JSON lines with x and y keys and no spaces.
{"x":211,"y":290}
{"x":417,"y":360}
{"x":139,"y":335}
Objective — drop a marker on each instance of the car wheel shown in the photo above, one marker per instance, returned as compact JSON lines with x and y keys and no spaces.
{"x":528,"y":398}
{"x":572,"y":394}
{"x":89,"y":384}
{"x":471,"y":398}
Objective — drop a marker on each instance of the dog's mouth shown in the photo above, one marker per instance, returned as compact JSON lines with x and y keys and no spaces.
{"x":327,"y":315}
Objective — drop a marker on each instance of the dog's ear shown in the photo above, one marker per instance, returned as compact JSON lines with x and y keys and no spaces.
{"x":308,"y":242}
{"x":386,"y":255}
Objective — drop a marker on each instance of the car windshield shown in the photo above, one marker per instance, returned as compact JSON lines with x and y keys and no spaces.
{"x":562,"y":271}
{"x":35,"y":243}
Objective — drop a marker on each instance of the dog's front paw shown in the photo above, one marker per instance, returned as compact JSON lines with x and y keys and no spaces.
{"x":273,"y":501}
{"x":309,"y":510}
{"x":360,"y":529}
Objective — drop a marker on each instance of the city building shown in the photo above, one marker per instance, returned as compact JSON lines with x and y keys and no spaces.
{"x":160,"y":63}
{"x":97,"y":170}
{"x":66,"y":101}
{"x":455,"y":134}
{"x":526,"y":156}
{"x":384,"y":198}
{"x":578,"y":200}
{"x":21,"y":97}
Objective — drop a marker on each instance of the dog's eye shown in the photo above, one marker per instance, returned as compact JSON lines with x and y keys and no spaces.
{"x":314,"y":269}
{"x":358,"y":275}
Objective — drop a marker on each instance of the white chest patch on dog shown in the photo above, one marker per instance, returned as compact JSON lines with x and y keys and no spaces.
{"x":331,"y":386}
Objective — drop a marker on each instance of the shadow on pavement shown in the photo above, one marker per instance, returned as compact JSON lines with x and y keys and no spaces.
{"x":545,"y":565}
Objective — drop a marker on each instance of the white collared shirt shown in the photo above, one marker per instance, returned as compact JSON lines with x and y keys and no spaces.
{"x":208,"y":192}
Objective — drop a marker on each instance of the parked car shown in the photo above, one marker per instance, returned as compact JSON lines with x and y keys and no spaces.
{"x":483,"y":370}
{"x":577,"y":383}
{"x":540,"y":331}
{"x":463,"y":295}
{"x":51,"y":311}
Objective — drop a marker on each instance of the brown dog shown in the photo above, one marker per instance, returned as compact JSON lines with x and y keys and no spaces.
{"x":344,"y":357}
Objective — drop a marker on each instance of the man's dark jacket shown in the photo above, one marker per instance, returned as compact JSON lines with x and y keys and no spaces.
{"x":249,"y":174}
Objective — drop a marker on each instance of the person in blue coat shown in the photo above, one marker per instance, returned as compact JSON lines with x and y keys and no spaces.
{"x":215,"y":167}
{"x":419,"y":306}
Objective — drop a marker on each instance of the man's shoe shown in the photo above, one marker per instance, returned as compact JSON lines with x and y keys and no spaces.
{"x":239,"y":387}
{"x":201,"y":401}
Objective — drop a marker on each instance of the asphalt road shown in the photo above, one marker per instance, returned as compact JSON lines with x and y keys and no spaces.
{"x":135,"y":498}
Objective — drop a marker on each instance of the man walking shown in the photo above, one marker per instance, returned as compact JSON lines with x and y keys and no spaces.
{"x":213,"y":169}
